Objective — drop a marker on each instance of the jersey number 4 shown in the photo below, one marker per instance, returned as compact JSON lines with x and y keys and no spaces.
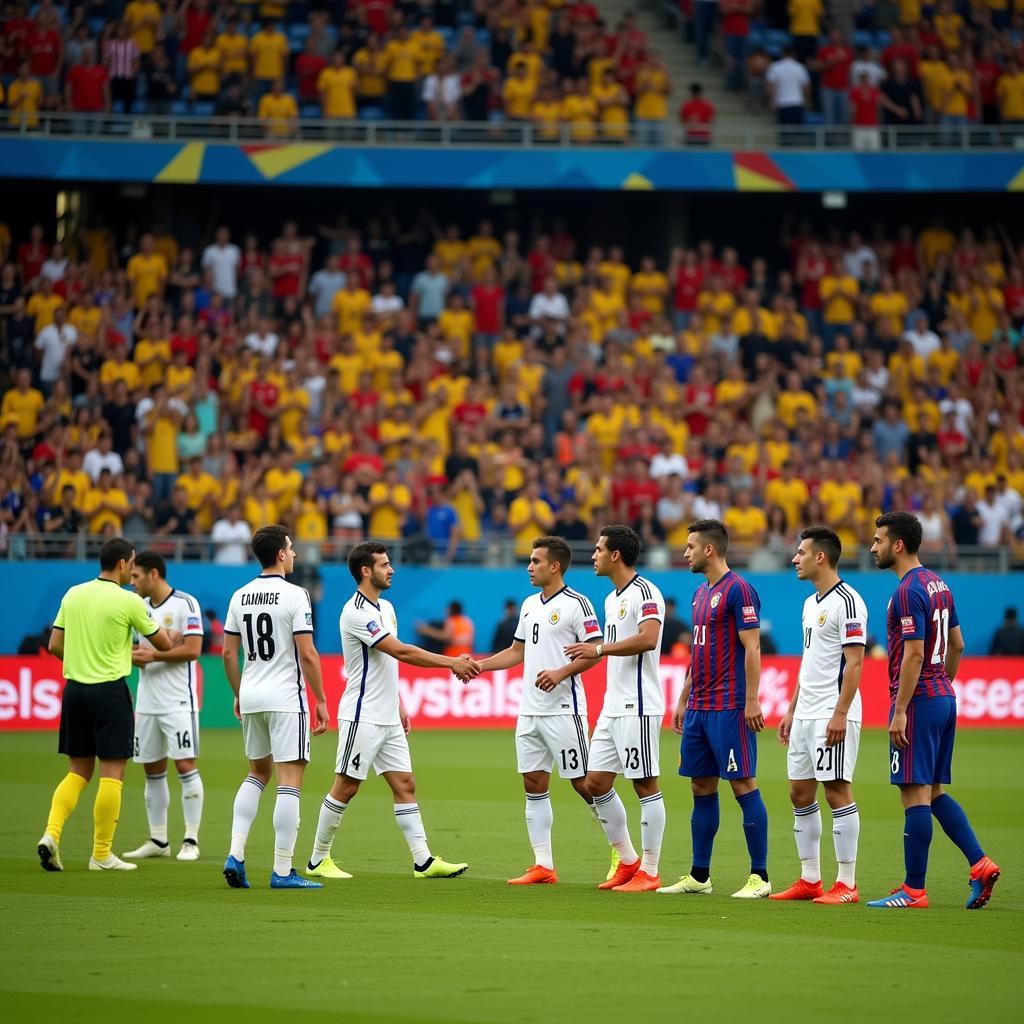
{"x":261,"y":646}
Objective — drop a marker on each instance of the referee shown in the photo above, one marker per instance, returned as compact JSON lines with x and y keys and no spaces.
{"x":92,"y":635}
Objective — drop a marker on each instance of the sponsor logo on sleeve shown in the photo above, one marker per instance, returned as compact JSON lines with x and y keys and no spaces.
{"x":749,"y":613}
{"x":907,"y":627}
{"x":854,"y":630}
{"x":192,"y":622}
{"x":649,"y":608}
{"x":309,"y":618}
{"x":591,"y":626}
{"x":372,"y":628}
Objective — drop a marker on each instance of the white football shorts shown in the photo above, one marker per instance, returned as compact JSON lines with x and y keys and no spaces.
{"x":627,"y":746}
{"x":809,"y":758}
{"x":543,"y":740}
{"x":362,"y":745}
{"x":174,"y":735}
{"x":284,"y":735}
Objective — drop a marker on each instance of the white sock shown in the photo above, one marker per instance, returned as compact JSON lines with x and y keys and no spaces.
{"x":158,"y":799}
{"x":247,"y":803}
{"x":845,"y":833}
{"x":286,"y":828}
{"x":330,"y":818}
{"x":807,"y":830}
{"x":652,"y":830}
{"x":411,"y":824}
{"x":611,"y":812}
{"x":539,"y":817}
{"x":192,"y":803}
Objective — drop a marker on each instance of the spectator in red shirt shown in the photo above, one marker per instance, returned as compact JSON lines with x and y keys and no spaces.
{"x":15,"y":32}
{"x":583,"y":14}
{"x":353,"y":262}
{"x":986,"y":74}
{"x":44,"y":50}
{"x":193,"y":22}
{"x":487,"y":301}
{"x":32,"y":255}
{"x":286,"y":266}
{"x":377,"y":14}
{"x":1013,"y":295}
{"x":834,"y":60}
{"x":698,"y":115}
{"x":734,"y":275}
{"x":864,"y":101}
{"x":87,"y":89}
{"x":262,"y":401}
{"x":688,"y":279}
{"x":308,"y":66}
{"x":736,"y":30}
{"x":900,"y":48}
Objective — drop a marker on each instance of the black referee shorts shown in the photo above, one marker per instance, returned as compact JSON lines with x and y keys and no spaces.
{"x":97,"y":720}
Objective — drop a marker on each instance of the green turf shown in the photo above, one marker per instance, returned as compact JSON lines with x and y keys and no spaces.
{"x":170,"y":942}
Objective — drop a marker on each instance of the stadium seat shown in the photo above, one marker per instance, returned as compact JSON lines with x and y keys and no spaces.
{"x":180,"y":108}
{"x":372,"y":114}
{"x":310,"y":111}
{"x":203,"y":108}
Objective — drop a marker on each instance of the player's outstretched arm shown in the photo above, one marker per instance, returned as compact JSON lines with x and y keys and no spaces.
{"x":409,"y":654}
{"x":640,"y":643}
{"x":513,"y":655}
{"x":309,"y":661}
{"x":835,"y":731}
{"x":954,"y":651}
{"x":751,"y":640}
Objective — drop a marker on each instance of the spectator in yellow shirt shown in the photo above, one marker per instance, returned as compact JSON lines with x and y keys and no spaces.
{"x":612,"y":107}
{"x":143,"y":20}
{"x":790,"y":493}
{"x":1009,"y":93}
{"x":517,"y":94}
{"x":234,"y":52}
{"x":390,"y":501}
{"x":579,"y":111}
{"x":278,"y":111}
{"x":650,"y":113}
{"x":805,"y":26}
{"x":43,"y":303}
{"x":794,"y":401}
{"x":106,"y":505}
{"x":22,"y":405}
{"x":544,"y":112}
{"x":24,"y":97}
{"x":651,"y":285}
{"x":840,"y":293}
{"x":429,"y":45}
{"x":337,"y":87}
{"x":283,"y":482}
{"x":890,"y":304}
{"x":958,"y":92}
{"x":204,"y":68}
{"x":402,"y":61}
{"x":529,"y":516}
{"x":371,"y":65}
{"x":146,"y":272}
{"x":268,"y":55}
{"x":747,"y":524}
{"x":948,"y":26}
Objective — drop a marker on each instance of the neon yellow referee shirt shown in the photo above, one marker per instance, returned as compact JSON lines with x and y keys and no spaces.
{"x":98,"y":618}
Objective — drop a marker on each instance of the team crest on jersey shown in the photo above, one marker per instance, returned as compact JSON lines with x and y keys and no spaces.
{"x":372,"y":628}
{"x":394,"y":621}
{"x":168,"y":620}
{"x":716,"y":600}
{"x":553,"y":618}
{"x":821,"y":618}
{"x":622,"y":610}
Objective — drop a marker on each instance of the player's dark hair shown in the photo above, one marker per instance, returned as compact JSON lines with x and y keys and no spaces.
{"x":713,"y":532}
{"x":455,"y":607}
{"x":115,"y":550}
{"x":902,"y":526}
{"x":623,"y":539}
{"x":558,"y":551}
{"x":267,"y":541}
{"x":147,"y":561}
{"x":824,"y":539}
{"x":361,"y":557}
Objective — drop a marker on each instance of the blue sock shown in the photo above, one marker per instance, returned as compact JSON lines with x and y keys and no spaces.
{"x":950,"y":815}
{"x":917,"y":837}
{"x":703,"y":828}
{"x":755,"y":830}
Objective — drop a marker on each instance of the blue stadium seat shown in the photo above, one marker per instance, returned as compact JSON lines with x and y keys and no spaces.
{"x":448,"y":35}
{"x":372,"y":114}
{"x":776,"y":39}
{"x":311,"y":111}
{"x":483,"y":37}
{"x":862,"y":37}
{"x":813,"y":117}
{"x":203,"y":108}
{"x":179,"y":108}
{"x":138,"y":106}
{"x":883,"y":38}
{"x":96,"y":25}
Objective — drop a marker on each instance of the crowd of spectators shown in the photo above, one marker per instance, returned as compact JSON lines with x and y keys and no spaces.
{"x":553,"y":63}
{"x":908,"y":63}
{"x":451,"y":386}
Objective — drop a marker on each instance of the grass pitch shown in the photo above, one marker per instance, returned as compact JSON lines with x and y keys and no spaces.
{"x":172,"y":942}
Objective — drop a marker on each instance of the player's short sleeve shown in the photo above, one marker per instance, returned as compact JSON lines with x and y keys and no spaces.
{"x":520,"y":636}
{"x":302,"y":612}
{"x":138,"y":616}
{"x":585,"y":621}
{"x":191,"y":618}
{"x":954,"y":619}
{"x":913,"y":608}
{"x":853,"y":622}
{"x":650,"y":606}
{"x":58,"y":623}
{"x":231,"y":624}
{"x":364,"y":625}
{"x":745,"y":606}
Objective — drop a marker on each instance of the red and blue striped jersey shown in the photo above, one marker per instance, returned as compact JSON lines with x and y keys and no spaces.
{"x":717,"y":670}
{"x":921,"y":609}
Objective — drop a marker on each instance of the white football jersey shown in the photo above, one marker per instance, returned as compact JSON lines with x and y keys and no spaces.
{"x":268,"y":614}
{"x":547,"y":628}
{"x":371,"y":687}
{"x":634,"y":687}
{"x":166,"y":686}
{"x":831,"y":622}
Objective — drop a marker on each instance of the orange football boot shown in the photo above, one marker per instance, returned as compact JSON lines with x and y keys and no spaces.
{"x":640,"y":882}
{"x":839,"y":893}
{"x":537,"y":875}
{"x":800,"y":890}
{"x":623,"y":873}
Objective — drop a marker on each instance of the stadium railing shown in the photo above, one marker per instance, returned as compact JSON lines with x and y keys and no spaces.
{"x":752,"y":135}
{"x":492,"y":552}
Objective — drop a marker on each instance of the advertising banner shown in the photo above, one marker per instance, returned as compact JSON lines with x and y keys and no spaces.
{"x":990,"y":692}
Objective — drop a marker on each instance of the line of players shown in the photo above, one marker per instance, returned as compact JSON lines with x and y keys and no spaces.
{"x":558,"y":639}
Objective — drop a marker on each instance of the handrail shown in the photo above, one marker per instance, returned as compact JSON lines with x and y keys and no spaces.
{"x":493,"y":552}
{"x":730,"y":135}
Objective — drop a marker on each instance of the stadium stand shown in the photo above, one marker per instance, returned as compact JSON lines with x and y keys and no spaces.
{"x":458,"y":386}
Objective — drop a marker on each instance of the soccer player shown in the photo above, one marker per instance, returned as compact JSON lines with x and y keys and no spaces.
{"x":166,"y":712}
{"x":822,"y":725}
{"x":925,"y":644}
{"x":270,"y":621}
{"x":552,"y":723}
{"x":372,"y":723}
{"x":92,"y":635}
{"x":718,"y":714}
{"x":625,"y":740}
